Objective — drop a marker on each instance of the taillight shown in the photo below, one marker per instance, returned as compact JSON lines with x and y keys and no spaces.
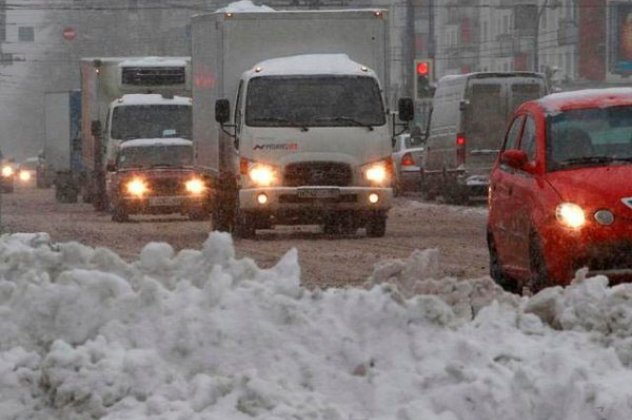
{"x":408,"y":160}
{"x":460,"y":149}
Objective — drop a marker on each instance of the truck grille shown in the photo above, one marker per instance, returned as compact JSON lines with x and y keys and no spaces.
{"x":153,"y":76}
{"x":317,"y":173}
{"x":166,"y":186}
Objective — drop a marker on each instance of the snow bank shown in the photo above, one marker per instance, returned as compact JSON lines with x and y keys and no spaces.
{"x":199,"y":334}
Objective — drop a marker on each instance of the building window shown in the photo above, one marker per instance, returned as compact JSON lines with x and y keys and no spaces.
{"x":26,"y":34}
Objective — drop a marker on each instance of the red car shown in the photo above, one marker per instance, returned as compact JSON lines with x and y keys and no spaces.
{"x":560,"y":195}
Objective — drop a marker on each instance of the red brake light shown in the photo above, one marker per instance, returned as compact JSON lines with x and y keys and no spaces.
{"x":408,"y":160}
{"x":460,"y":149}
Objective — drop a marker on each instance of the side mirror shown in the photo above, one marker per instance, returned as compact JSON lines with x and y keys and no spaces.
{"x":516,"y":159}
{"x":463,"y":104}
{"x":222,"y":111}
{"x":95,"y":128}
{"x":406,"y":109}
{"x":110,"y":167}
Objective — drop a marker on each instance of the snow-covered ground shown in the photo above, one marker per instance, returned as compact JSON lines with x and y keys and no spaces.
{"x":203,"y":335}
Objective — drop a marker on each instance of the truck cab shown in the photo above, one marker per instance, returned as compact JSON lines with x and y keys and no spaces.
{"x":314,"y":145}
{"x":128,"y":98}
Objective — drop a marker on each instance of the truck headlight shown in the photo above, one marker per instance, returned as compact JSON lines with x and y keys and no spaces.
{"x":262,"y":175}
{"x":7,"y":171}
{"x":195,"y":186}
{"x":570,"y":215}
{"x":137,"y":187}
{"x":25,"y":176}
{"x":379,"y":173}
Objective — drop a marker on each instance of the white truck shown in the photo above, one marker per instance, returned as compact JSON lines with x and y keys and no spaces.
{"x":127,"y":98}
{"x":309,"y":139}
{"x":62,"y":151}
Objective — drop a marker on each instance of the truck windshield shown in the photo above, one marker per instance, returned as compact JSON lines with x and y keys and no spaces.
{"x":151,"y":121}
{"x":590,"y":137}
{"x":155,"y":156}
{"x":318,"y":101}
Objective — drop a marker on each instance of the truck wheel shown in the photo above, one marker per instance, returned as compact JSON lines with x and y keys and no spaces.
{"x":245,"y":226}
{"x":198,"y":215}
{"x":119,"y":214}
{"x":220,"y":220}
{"x":454,"y":193}
{"x":376,"y":226}
{"x":426,"y":190}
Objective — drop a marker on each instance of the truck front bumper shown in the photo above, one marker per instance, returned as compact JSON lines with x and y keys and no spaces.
{"x":327,"y":199}
{"x":164,"y":204}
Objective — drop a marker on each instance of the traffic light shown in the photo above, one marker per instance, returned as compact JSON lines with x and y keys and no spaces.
{"x":423,"y":78}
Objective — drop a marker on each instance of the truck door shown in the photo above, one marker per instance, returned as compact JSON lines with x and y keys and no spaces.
{"x":484,"y":122}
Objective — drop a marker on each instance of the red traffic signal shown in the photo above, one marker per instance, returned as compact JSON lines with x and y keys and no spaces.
{"x":423,"y":68}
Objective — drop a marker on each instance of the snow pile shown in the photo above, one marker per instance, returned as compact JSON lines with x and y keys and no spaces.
{"x":203,"y":335}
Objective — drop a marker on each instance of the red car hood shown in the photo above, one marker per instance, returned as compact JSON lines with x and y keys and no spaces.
{"x":596,"y":187}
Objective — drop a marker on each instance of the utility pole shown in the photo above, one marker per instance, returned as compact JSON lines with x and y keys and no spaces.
{"x":536,"y":35}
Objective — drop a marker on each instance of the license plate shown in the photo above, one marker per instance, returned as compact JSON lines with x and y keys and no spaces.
{"x":164,"y":201}
{"x":318,"y":192}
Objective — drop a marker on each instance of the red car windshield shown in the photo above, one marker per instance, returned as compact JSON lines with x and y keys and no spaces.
{"x":589,"y":137}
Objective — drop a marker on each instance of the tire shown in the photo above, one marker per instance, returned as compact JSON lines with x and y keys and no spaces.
{"x":496,"y":271}
{"x":455,"y":194}
{"x":245,"y":227}
{"x":538,"y":274}
{"x":119,"y":214}
{"x":426,"y":190}
{"x":376,"y":225}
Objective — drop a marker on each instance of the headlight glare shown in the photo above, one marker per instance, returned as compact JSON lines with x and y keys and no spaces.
{"x":25,"y":176}
{"x":137,"y":187}
{"x":195,"y":186}
{"x":262,"y":175}
{"x":570,"y":215}
{"x":7,"y":171}
{"x":379,"y":173}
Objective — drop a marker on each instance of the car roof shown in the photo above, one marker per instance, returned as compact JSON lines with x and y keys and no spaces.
{"x":587,"y":98}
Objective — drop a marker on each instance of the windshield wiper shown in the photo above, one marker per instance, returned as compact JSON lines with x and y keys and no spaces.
{"x":346,"y":119}
{"x":162,"y":165}
{"x":287,"y":121}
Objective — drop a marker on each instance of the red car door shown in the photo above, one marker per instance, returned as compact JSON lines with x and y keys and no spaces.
{"x":501,"y":191}
{"x":523,"y":198}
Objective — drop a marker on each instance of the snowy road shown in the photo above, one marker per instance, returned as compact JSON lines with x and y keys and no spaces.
{"x":458,"y":233}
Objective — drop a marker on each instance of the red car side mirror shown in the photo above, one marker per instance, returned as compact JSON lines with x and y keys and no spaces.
{"x":516,"y":159}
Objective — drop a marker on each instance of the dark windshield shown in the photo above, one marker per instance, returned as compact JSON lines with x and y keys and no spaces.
{"x":151,"y":121}
{"x":155,"y":156}
{"x":588,"y":137}
{"x":321,"y":101}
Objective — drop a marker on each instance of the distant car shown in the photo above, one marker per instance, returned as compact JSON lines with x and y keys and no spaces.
{"x":7,"y":175}
{"x":407,"y":155}
{"x":27,"y":172}
{"x":560,"y":192}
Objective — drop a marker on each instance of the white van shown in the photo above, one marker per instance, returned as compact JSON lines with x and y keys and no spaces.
{"x":469,"y":116}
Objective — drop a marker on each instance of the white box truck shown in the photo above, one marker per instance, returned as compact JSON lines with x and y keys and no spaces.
{"x":62,"y":148}
{"x":127,"y":98}
{"x":290,"y":121}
